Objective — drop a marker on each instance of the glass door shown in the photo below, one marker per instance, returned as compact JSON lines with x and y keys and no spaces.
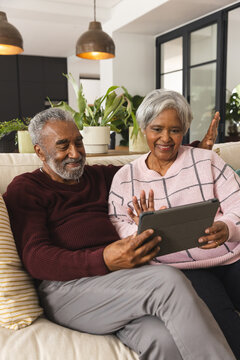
{"x":202,"y":72}
{"x":172,"y":65}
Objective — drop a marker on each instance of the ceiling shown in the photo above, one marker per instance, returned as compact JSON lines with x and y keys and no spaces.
{"x":174,"y":13}
{"x":52,"y":27}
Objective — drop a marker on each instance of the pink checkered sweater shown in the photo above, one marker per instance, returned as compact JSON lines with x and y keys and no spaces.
{"x":196,"y":175}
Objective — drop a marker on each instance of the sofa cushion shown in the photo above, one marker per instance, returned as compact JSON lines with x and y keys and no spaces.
{"x":44,"y":340}
{"x":229,"y":152}
{"x":18,"y":298}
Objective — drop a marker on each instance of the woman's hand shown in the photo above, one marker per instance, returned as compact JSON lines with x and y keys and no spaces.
{"x":142,"y":206}
{"x":209,"y":139}
{"x":217,"y":235}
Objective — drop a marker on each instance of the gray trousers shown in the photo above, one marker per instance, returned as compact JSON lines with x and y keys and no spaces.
{"x":152,"y":309}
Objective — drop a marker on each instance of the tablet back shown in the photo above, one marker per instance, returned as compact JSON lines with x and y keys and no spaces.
{"x":180,"y":227}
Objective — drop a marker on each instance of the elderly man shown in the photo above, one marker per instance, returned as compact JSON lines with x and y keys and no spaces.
{"x":88,"y":279}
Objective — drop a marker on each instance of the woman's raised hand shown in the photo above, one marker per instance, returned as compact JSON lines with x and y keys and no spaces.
{"x":209,"y":139}
{"x":142,"y":205}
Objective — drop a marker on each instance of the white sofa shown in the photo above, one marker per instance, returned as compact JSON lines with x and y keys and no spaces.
{"x":43,"y":340}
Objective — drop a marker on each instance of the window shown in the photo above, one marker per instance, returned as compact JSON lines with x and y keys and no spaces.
{"x":203,"y":69}
{"x":172,"y":64}
{"x":192,"y":61}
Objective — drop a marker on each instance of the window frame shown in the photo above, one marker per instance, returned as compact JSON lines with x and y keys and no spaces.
{"x":221,"y":19}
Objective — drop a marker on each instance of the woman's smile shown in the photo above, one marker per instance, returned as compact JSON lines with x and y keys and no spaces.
{"x":163,"y":147}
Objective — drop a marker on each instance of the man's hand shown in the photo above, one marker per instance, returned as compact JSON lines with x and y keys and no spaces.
{"x":209,"y":139}
{"x":131,"y":252}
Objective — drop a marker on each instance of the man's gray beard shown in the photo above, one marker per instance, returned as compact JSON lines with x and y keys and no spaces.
{"x":70,"y":174}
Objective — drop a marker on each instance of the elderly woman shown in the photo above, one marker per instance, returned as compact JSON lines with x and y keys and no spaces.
{"x":179,"y":175}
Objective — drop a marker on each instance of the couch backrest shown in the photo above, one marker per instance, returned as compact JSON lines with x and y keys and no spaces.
{"x":229,"y":152}
{"x":12,"y":164}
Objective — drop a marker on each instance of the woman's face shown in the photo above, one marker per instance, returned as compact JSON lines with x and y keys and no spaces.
{"x":164,"y":136}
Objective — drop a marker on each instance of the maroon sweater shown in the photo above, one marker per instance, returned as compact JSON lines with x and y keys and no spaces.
{"x":61,"y":230}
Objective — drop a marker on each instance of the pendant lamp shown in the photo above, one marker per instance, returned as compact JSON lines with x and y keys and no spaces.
{"x":11,"y":42}
{"x":95,"y":44}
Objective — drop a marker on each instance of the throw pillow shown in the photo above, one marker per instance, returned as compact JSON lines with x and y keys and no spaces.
{"x":19,"y":305}
{"x":218,"y":151}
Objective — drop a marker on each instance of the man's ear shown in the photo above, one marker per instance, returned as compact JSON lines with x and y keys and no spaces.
{"x":39,"y":152}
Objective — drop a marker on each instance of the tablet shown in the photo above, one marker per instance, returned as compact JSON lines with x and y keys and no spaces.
{"x":180,"y":227}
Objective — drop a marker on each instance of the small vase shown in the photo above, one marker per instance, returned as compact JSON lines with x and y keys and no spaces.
{"x":137,"y":144}
{"x":96,"y":139}
{"x":24,"y":142}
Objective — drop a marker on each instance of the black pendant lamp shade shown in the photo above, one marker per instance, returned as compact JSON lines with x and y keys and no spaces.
{"x":95,"y":44}
{"x":11,"y":42}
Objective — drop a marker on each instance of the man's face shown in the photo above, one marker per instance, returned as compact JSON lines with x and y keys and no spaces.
{"x":64,"y":153}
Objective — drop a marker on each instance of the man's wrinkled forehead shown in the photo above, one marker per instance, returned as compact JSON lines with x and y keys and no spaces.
{"x":53,"y":127}
{"x":60,"y":130}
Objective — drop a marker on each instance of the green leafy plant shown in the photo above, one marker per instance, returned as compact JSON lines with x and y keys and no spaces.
{"x":109,"y":110}
{"x":7,"y":127}
{"x":135,"y":100}
{"x":233,"y":114}
{"x":233,"y":108}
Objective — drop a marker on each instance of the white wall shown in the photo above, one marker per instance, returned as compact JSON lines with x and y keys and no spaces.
{"x":106,"y":73}
{"x":77,"y":67}
{"x":133,"y":66}
{"x":91,"y":89}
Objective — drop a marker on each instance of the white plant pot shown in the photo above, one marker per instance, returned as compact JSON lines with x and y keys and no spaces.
{"x":96,"y":139}
{"x":137,"y":144}
{"x":24,"y":142}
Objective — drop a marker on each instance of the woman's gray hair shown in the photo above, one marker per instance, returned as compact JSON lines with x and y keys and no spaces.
{"x":38,"y":121}
{"x":159,"y":100}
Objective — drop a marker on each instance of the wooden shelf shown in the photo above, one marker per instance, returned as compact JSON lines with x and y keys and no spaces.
{"x":121,"y":150}
{"x":232,"y":138}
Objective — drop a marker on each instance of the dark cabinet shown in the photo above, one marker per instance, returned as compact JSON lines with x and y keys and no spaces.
{"x":32,"y":98}
{"x":31,"y":85}
{"x":26,"y":82}
{"x":55,"y":84}
{"x":9,"y":100}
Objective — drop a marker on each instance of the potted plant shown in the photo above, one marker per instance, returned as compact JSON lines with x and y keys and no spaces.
{"x":136,"y":140}
{"x":8,"y":138}
{"x":95,"y":121}
{"x":233,"y":114}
